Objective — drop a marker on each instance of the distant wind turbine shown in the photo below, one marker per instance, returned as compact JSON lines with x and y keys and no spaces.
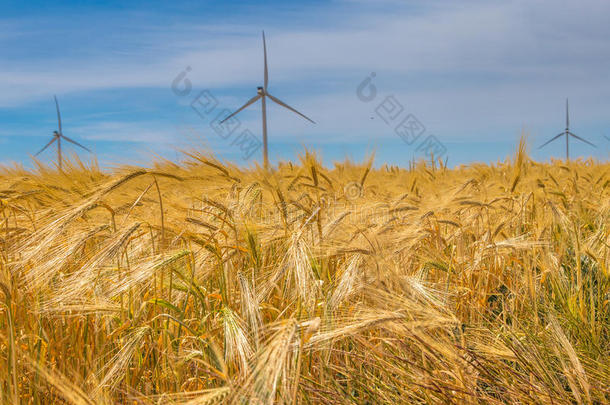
{"x":57,"y":137}
{"x":263,"y":94}
{"x":567,"y":134}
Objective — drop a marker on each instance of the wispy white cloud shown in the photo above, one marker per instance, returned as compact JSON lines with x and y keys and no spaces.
{"x":504,"y":38}
{"x":462,"y":68}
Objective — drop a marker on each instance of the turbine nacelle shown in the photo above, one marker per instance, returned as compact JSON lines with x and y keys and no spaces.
{"x":58,"y":136}
{"x":261,"y":93}
{"x":567,"y":134}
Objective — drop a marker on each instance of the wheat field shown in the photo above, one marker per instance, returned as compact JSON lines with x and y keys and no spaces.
{"x":201,"y":282}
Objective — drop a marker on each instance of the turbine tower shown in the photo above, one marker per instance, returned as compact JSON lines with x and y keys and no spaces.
{"x":262,"y":94}
{"x":58,"y":136}
{"x":567,"y":134}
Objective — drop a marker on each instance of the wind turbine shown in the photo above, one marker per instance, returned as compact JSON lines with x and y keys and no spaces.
{"x":57,"y":137}
{"x":262,"y":94}
{"x":567,"y":134}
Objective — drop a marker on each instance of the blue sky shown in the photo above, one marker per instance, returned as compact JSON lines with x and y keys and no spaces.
{"x":475,"y":74}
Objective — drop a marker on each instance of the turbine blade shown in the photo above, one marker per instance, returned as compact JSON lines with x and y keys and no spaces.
{"x":46,"y":146}
{"x":58,"y":115}
{"x":583,"y":140}
{"x":280,"y":102}
{"x":266,"y":70}
{"x":252,"y":100}
{"x":551,"y":140}
{"x":75,"y":143}
{"x":567,"y":114}
{"x":606,"y":137}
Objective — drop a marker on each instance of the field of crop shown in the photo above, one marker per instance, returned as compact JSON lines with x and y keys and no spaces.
{"x":207,"y":283}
